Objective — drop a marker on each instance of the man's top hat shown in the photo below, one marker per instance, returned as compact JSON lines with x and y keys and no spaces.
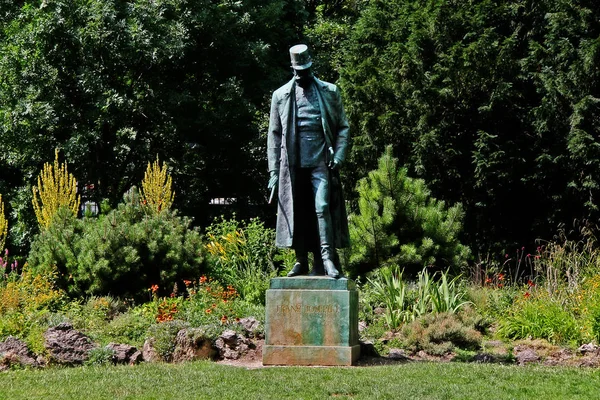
{"x":300,"y":57}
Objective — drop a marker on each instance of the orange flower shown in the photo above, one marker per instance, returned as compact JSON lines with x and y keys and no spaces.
{"x":208,"y":310}
{"x":500,"y":277}
{"x":202,"y":279}
{"x":224,"y":319}
{"x":488,"y":280}
{"x":187,"y":282}
{"x":154,"y":288}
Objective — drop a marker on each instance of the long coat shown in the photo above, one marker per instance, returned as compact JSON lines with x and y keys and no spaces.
{"x":282,"y":154}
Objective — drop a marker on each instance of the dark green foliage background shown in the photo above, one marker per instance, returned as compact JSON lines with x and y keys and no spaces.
{"x":493,"y":104}
{"x":116,"y":83}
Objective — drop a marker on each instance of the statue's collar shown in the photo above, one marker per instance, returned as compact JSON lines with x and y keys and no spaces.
{"x":292,"y":84}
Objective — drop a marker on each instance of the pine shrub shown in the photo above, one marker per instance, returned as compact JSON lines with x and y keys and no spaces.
{"x":122,"y":253}
{"x":398,"y":222}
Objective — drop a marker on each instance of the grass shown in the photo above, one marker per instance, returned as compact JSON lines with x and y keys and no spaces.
{"x":206,"y":380}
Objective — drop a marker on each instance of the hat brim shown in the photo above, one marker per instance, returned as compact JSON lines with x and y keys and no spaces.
{"x":302,"y":67}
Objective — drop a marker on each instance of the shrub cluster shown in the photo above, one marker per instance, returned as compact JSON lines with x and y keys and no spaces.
{"x":243,"y":255}
{"x":439,"y":334}
{"x":26,"y":302}
{"x":403,"y":302}
{"x":121,"y":253}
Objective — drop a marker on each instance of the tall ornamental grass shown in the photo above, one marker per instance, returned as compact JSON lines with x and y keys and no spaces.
{"x":405,"y":302}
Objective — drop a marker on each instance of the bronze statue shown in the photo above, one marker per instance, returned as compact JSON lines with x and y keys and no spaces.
{"x":307,"y":143}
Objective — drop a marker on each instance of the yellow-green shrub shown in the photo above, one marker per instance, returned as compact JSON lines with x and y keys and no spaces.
{"x":156,"y":188}
{"x":56,"y":188}
{"x":26,"y":301}
{"x":3,"y":225}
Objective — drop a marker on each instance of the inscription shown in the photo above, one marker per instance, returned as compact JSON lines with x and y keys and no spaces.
{"x":308,"y":309}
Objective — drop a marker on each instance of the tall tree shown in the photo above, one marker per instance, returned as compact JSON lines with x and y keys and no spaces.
{"x":492,"y":103}
{"x":116,"y":83}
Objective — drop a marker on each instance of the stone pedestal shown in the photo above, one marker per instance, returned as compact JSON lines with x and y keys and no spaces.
{"x":311,"y":321}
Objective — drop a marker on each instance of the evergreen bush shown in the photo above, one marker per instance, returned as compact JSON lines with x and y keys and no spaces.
{"x":398,"y":222}
{"x":122,"y":253}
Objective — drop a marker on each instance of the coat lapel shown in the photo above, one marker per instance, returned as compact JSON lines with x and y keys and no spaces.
{"x":325,"y":112}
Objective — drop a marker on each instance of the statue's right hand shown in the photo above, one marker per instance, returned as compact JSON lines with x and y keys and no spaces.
{"x":273,"y":179}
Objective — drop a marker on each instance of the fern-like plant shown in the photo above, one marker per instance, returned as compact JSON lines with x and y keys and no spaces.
{"x":3,"y":225}
{"x":56,"y":188}
{"x":156,"y":188}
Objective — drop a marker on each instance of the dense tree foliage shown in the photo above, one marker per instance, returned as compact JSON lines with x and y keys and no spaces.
{"x":116,"y":83}
{"x":494,"y":104}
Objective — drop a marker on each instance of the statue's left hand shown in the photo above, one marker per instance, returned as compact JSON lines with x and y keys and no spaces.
{"x":333,"y":163}
{"x":273,"y":179}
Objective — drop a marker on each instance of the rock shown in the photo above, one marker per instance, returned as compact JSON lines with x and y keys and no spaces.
{"x":15,"y":352}
{"x":149,"y":353}
{"x":66,"y":345}
{"x":587,"y":348}
{"x":250,"y":325}
{"x":193,"y":344}
{"x":525,"y":355}
{"x":124,"y":354}
{"x":232,"y":346}
{"x":485,"y":358}
{"x":379,"y":310}
{"x":362,"y":325}
{"x":560,"y":357}
{"x":398,"y":354}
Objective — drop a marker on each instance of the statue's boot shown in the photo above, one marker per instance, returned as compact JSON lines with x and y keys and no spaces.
{"x":317,"y":269}
{"x":328,"y":265}
{"x":300,"y":267}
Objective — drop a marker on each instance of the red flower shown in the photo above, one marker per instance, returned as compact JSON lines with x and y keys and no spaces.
{"x":530,"y":283}
{"x":527,"y":295}
{"x":500,"y":277}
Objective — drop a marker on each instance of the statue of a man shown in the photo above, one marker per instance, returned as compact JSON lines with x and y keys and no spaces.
{"x":307,"y":143}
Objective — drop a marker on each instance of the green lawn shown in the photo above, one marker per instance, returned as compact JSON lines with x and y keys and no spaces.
{"x":209,"y":380}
